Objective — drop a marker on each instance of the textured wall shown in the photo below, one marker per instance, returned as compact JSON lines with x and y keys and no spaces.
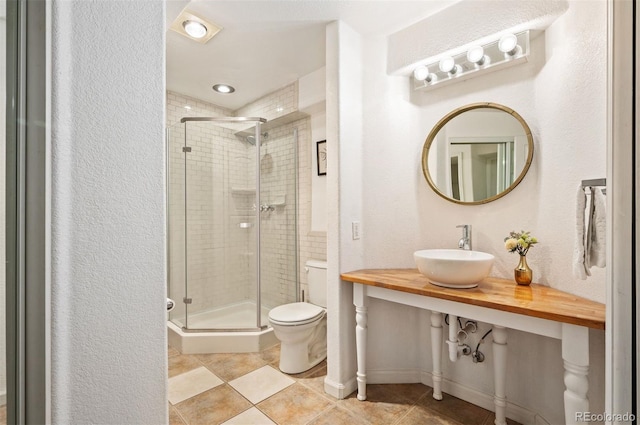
{"x":566,"y":110}
{"x":345,"y":121}
{"x":108,"y":331}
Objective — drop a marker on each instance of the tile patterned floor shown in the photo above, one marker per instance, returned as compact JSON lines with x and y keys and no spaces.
{"x":248,"y":388}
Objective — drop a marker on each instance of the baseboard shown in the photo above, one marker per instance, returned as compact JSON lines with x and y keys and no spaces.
{"x":338,"y":390}
{"x":400,"y":376}
{"x":456,"y":389}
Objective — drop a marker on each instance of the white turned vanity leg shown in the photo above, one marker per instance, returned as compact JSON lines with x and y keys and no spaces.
{"x":360,"y":301}
{"x":575,"y":353}
{"x":436,"y":353}
{"x":500,"y":373}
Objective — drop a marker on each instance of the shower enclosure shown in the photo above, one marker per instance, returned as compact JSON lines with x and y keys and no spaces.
{"x":232,"y":223}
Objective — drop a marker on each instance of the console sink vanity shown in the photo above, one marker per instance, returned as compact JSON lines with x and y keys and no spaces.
{"x":536,"y":309}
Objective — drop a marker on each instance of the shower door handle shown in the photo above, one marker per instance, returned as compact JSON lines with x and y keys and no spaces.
{"x":170,"y":304}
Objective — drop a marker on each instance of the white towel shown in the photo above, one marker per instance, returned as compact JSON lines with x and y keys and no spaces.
{"x":598,"y":230}
{"x":579,"y":270}
{"x":591,"y":231}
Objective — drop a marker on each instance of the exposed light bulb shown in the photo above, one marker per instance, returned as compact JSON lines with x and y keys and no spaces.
{"x":476,"y":55}
{"x":447,"y":64}
{"x":508,"y":44}
{"x":194,"y":29}
{"x":421,"y":73}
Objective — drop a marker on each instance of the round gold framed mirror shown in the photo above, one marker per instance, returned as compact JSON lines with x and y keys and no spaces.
{"x":477,"y":153}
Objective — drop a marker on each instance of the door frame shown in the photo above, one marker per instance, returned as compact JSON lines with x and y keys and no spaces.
{"x":27,"y":203}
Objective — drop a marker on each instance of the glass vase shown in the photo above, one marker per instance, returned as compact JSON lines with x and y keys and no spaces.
{"x":523,"y":274}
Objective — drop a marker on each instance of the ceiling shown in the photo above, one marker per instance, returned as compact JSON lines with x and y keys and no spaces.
{"x":267,"y":44}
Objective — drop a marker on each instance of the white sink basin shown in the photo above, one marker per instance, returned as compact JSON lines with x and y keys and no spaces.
{"x":454,"y":268}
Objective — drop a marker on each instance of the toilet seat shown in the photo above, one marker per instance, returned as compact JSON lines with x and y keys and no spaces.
{"x":296,"y":314}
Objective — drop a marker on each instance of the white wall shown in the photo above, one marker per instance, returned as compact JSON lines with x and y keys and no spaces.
{"x":108,"y":330}
{"x":565,"y":106}
{"x":312,"y":96}
{"x":318,"y":183}
{"x":344,"y":180}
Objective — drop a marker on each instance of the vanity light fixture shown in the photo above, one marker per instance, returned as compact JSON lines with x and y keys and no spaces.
{"x":476,"y":55}
{"x":421,"y":73}
{"x":508,"y":44}
{"x":448,"y":66}
{"x":472,"y":60}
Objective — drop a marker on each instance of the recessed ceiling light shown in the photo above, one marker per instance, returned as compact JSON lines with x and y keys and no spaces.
{"x":223,"y":88}
{"x":194,"y":28}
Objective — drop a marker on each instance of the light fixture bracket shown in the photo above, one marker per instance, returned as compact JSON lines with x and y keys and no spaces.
{"x":493,"y":60}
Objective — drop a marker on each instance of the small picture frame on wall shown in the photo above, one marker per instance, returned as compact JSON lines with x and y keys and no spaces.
{"x":321,"y":150}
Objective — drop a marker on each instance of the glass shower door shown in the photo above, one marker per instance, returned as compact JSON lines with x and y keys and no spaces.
{"x":176,"y":267}
{"x":278,"y":166}
{"x":232,"y":222}
{"x":220,"y":225}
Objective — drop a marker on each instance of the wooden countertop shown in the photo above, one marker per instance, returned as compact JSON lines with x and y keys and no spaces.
{"x":500,"y":294}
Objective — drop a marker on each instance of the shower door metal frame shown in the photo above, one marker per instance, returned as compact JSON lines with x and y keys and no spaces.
{"x":258,"y":134}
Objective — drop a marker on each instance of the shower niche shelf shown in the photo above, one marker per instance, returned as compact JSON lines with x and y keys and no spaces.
{"x":243,"y":191}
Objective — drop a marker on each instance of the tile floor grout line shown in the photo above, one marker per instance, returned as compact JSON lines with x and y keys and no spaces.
{"x":413,"y":406}
{"x":332,"y":406}
{"x":182,"y":418}
{"x":266,"y":414}
{"x":329,"y":398}
{"x":311,"y":380}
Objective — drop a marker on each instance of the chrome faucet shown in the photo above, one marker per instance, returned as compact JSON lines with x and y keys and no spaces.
{"x":465,"y":241}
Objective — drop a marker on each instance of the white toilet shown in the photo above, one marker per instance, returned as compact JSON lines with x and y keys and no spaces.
{"x":302,"y":327}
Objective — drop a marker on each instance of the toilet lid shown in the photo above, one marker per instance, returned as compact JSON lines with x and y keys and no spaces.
{"x":296,"y":313}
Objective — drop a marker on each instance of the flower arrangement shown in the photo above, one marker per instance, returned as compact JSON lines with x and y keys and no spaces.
{"x":519,"y":242}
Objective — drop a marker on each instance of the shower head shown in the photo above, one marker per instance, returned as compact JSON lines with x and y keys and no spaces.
{"x":251,"y":139}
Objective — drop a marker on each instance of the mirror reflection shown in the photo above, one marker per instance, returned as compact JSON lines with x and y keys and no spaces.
{"x":477,"y":153}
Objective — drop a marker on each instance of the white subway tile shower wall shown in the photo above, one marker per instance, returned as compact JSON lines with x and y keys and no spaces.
{"x":215,"y":166}
{"x":273,"y":105}
{"x":179,"y":106}
{"x":216,"y":276}
{"x":311,"y":245}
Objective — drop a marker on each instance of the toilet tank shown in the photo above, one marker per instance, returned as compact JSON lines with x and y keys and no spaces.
{"x":317,"y":280}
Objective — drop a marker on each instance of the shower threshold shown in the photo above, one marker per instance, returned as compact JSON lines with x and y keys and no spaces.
{"x":246,"y":338}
